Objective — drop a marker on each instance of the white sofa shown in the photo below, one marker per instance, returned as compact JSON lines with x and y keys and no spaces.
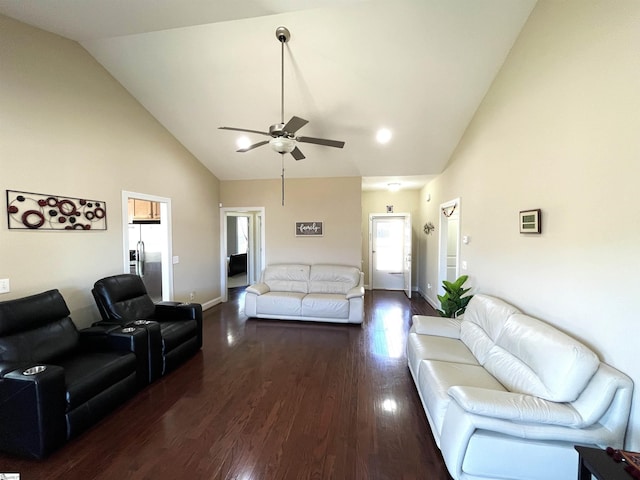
{"x":508,"y":396}
{"x":322,"y":293}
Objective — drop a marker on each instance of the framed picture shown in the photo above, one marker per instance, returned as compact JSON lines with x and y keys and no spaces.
{"x":309,"y":229}
{"x":530,"y":221}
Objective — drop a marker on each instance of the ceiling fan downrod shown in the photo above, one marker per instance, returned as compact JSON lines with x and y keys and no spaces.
{"x":283,"y":35}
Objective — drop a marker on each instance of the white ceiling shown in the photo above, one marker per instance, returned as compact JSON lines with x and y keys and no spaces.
{"x":417,"y":67}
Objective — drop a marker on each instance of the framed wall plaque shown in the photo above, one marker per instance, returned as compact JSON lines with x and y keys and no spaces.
{"x":309,"y":229}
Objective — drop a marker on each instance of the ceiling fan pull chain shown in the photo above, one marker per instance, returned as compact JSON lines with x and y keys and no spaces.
{"x":282,"y":176}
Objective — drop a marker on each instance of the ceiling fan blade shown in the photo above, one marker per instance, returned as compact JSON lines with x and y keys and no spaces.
{"x":244,"y":130}
{"x":321,"y":141}
{"x":251,"y":147}
{"x":297,"y":154}
{"x":295,"y":124}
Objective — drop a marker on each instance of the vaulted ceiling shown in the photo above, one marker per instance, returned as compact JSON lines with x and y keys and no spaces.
{"x":417,"y":67}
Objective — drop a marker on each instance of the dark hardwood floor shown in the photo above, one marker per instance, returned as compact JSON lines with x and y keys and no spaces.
{"x":269,"y":400}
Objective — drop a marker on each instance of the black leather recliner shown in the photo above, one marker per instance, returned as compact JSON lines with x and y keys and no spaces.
{"x":174,"y":329}
{"x":56,"y":380}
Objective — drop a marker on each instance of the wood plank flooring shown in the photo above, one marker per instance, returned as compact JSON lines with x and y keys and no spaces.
{"x":269,"y":400}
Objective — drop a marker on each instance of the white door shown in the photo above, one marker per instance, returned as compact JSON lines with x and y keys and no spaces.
{"x":387,"y":252}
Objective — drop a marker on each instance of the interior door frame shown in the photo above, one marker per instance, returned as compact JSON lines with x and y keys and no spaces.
{"x":405,"y":216}
{"x":256,"y":238}
{"x":443,"y":241}
{"x":165,"y":222}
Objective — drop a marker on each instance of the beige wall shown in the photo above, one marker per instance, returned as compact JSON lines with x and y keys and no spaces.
{"x":334,"y":201}
{"x":403,"y":201}
{"x":558,"y":130}
{"x":68,"y":128}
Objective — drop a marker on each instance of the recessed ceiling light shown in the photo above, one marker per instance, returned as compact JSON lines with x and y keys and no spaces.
{"x":393,"y":187}
{"x":383,"y":135}
{"x":243,"y":142}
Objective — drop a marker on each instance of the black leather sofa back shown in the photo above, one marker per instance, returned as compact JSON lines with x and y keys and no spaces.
{"x":36,"y":329}
{"x":123,"y":298}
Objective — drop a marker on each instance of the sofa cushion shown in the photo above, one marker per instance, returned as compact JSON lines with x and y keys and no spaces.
{"x":333,"y":279}
{"x":87,"y":375}
{"x":325,"y":305}
{"x":482,"y":323}
{"x":533,"y":357}
{"x":432,"y":347}
{"x":280,"y":303}
{"x":436,"y":377}
{"x":287,"y":278}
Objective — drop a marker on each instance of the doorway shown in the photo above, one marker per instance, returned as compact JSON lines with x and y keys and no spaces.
{"x":390,"y":252}
{"x":242,"y":247}
{"x":449,"y":243}
{"x":146,"y":232}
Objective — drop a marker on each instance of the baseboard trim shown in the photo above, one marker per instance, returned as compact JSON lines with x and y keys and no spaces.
{"x":211,"y":303}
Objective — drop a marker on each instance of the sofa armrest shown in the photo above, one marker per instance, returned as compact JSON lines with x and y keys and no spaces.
{"x":438,"y":326}
{"x":32,"y":411}
{"x":258,"y":288}
{"x":355,"y":292}
{"x":515,"y":407}
{"x":178,"y":311}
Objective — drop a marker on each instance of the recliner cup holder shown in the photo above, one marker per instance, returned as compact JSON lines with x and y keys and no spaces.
{"x":35,"y":369}
{"x":128,"y":329}
{"x":142,"y":322}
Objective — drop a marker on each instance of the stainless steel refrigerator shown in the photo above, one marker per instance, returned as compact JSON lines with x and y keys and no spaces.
{"x":145,"y":255}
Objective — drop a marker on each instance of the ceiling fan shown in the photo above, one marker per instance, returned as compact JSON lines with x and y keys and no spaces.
{"x":283,"y":135}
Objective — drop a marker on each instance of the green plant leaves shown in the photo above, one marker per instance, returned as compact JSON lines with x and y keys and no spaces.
{"x":453,"y":302}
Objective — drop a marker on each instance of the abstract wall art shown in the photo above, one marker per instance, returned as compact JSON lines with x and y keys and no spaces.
{"x":40,"y":211}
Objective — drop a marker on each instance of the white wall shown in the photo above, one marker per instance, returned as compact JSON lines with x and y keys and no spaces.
{"x":558,"y":130}
{"x":68,"y":128}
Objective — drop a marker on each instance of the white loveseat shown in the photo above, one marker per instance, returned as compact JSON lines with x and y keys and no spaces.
{"x":508,"y":396}
{"x":322,"y":293}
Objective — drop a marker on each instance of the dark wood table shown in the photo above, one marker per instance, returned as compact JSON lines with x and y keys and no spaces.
{"x":596,"y":462}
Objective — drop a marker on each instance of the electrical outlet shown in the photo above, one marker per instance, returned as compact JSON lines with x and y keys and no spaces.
{"x":428,"y":286}
{"x":5,"y":286}
{"x":192,"y":296}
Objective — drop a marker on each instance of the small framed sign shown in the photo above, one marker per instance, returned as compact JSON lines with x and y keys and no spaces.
{"x":530,"y":221}
{"x":309,"y":229}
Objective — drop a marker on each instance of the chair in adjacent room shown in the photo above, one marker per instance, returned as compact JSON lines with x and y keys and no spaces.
{"x":174,"y":329}
{"x":55,"y":380}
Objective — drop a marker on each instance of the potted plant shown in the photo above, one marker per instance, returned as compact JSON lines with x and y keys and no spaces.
{"x":453,"y":303}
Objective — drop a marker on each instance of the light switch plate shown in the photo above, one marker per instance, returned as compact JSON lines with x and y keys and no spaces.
{"x":175,"y":260}
{"x":5,"y":286}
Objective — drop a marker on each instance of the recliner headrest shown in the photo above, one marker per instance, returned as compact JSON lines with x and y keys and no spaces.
{"x":118,"y":288}
{"x":32,"y":312}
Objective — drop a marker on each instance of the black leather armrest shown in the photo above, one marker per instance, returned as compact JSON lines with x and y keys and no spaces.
{"x":178,"y":311}
{"x":32,"y":411}
{"x":181,"y":311}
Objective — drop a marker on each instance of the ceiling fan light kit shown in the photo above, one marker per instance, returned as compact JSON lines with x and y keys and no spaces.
{"x":283,"y":135}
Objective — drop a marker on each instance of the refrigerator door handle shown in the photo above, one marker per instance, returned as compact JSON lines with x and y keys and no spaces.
{"x":140,"y":258}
